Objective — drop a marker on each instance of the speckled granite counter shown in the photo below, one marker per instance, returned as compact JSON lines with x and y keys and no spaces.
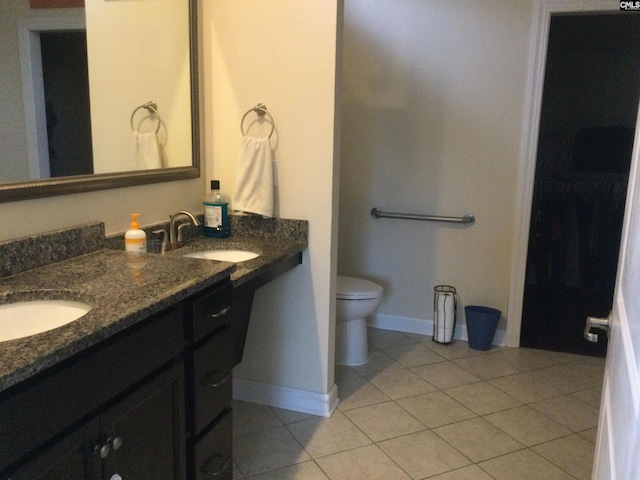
{"x":123,"y":292}
{"x":271,"y":252}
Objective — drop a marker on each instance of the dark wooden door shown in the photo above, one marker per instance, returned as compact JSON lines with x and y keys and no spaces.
{"x":72,"y":457}
{"x":146,"y":431}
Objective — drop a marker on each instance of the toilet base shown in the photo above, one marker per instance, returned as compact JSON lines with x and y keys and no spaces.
{"x":351,"y":342}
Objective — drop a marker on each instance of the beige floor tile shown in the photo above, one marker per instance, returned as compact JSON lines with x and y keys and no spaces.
{"x":592,"y":396}
{"x":566,"y":379}
{"x":482,"y":398}
{"x":527,"y":426}
{"x":591,"y":434}
{"x":423,"y":454}
{"x":267,"y":450}
{"x":445,"y":375}
{"x":324,"y":436}
{"x":452,"y":351}
{"x":344,"y":372}
{"x":378,"y":362}
{"x":486,"y":367}
{"x":436,"y":409}
{"x":414,"y":355}
{"x":237,"y":475}
{"x":561,"y":357}
{"x":573,"y":454}
{"x":478,"y":439}
{"x":418,"y":338}
{"x":526,"y":387}
{"x":523,"y":464}
{"x":300,"y":471}
{"x":591,"y":366}
{"x":251,"y":417}
{"x":384,"y":421}
{"x":569,"y":411}
{"x":471,"y":472}
{"x":289,"y":416}
{"x":364,"y":463}
{"x":387,"y":338}
{"x":524,"y":359}
{"x":358,"y":393}
{"x":401,"y":383}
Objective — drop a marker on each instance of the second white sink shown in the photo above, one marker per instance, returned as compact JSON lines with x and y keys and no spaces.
{"x":23,"y":319}
{"x":234,"y":256}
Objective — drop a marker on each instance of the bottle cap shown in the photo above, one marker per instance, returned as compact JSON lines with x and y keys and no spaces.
{"x":215,"y":184}
{"x":134,"y":221}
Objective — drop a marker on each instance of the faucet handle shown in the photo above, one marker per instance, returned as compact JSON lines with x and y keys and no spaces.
{"x":180,"y":227}
{"x":163,"y":245}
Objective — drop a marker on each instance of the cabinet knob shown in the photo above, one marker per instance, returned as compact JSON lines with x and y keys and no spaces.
{"x":102,"y":450}
{"x":105,"y":449}
{"x":115,"y":476}
{"x":116,"y":443}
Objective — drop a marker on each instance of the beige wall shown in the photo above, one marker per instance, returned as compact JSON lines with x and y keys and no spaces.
{"x":282,"y":54}
{"x":433,"y":108}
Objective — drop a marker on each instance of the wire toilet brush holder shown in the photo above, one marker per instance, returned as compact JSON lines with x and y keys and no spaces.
{"x":444,"y":313}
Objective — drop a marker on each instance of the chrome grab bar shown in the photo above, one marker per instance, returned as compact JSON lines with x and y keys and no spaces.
{"x":467,"y":219}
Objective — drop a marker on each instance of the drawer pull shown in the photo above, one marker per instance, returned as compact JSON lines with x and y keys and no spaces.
{"x":222,"y":312}
{"x":216,"y":378}
{"x":217,"y":465}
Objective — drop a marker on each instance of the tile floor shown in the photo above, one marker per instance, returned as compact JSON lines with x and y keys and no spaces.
{"x":421,"y":410}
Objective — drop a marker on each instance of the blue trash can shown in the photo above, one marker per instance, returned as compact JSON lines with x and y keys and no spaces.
{"x":481,"y":326}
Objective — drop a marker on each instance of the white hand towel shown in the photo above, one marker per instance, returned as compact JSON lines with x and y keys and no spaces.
{"x":253,"y":192}
{"x":146,"y":151}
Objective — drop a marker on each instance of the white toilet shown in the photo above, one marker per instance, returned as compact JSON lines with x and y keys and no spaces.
{"x":356,"y":299}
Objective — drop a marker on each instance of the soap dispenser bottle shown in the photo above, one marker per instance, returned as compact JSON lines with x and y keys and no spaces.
{"x":216,"y":213}
{"x":135,"y":240}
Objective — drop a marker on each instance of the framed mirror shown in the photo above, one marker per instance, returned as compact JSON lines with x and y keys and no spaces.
{"x":141,"y":113}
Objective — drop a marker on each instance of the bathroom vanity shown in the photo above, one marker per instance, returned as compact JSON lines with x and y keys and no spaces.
{"x":140,"y":387}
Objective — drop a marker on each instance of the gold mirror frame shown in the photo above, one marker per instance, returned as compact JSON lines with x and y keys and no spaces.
{"x":11,"y":192}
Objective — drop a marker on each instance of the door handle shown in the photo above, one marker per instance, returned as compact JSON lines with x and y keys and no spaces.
{"x":597,"y":323}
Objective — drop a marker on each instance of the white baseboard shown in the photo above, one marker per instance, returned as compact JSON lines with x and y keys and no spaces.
{"x":422,"y":326}
{"x":286,"y":398}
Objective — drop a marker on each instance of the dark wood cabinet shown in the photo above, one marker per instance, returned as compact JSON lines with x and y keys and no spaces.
{"x":139,"y":437}
{"x":148,"y":430}
{"x":209,"y":366}
{"x":147,"y":403}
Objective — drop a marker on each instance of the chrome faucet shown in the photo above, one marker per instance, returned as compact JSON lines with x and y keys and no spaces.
{"x":175,"y":233}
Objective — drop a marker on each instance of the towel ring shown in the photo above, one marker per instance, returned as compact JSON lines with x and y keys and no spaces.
{"x":152,"y":107}
{"x":261,"y":110}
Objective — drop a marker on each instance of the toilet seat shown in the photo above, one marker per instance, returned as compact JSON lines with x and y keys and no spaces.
{"x":351,"y":288}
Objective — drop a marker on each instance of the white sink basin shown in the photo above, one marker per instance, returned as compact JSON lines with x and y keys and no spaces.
{"x":234,"y":256}
{"x":23,"y":319}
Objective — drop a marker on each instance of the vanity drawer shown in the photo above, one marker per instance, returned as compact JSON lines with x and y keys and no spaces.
{"x":212,"y":382}
{"x":210,"y":311}
{"x":213,"y":457}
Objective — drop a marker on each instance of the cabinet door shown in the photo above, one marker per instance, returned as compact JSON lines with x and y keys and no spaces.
{"x":72,"y":457}
{"x":146,"y":431}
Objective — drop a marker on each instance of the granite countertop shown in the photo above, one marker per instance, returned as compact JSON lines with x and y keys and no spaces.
{"x":122,"y":292}
{"x":271,"y":252}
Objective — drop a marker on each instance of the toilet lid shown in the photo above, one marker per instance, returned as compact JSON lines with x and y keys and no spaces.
{"x":352,"y":288}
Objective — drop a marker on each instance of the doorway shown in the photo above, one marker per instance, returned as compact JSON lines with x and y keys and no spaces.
{"x":65,"y":77}
{"x":587,"y":124}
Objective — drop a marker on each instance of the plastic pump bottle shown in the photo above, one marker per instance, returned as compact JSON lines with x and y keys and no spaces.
{"x":135,"y":240}
{"x":216,"y":213}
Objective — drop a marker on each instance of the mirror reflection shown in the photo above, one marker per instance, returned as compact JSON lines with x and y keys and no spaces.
{"x":99,"y":90}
